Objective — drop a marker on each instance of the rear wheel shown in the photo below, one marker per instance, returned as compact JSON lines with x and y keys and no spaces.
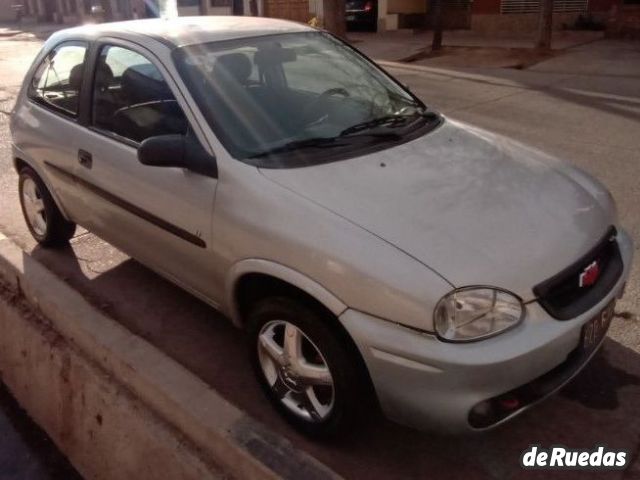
{"x":43,"y":218}
{"x":304,"y":368}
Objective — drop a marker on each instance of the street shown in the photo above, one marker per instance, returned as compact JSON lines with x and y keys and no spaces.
{"x":583,"y":106}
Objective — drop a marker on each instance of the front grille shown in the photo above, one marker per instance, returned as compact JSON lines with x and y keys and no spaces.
{"x":563,"y":298}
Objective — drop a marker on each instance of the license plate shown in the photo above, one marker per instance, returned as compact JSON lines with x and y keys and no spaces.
{"x":351,"y":18}
{"x":595,"y":329}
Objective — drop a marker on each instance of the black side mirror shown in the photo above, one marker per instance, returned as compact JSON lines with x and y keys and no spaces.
{"x":183,"y":151}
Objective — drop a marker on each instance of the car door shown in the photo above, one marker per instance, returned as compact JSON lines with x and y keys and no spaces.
{"x":161,"y":216}
{"x":46,"y":127}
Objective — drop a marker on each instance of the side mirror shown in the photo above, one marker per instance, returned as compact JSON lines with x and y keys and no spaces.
{"x":182,"y":151}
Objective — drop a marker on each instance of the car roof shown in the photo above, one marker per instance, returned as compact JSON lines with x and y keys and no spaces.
{"x":181,"y":31}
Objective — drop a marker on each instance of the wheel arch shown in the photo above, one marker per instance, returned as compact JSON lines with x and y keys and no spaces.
{"x":270,"y":278}
{"x":19,"y":163}
{"x":252,"y":279}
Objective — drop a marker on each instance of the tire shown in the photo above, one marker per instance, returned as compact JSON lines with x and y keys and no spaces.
{"x":342,"y":403}
{"x":42,"y":216}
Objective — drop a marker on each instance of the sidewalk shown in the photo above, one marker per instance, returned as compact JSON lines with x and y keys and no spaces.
{"x":468,"y":48}
{"x":29,"y":31}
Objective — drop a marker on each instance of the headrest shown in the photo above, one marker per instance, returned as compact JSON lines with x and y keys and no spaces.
{"x":233,"y":66}
{"x":273,"y":55}
{"x":143,"y":83}
{"x":104,"y":75}
{"x":75,"y":77}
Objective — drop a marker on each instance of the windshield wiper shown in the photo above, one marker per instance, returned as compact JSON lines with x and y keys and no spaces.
{"x":364,"y":129}
{"x":316,"y":142}
{"x":389,"y":121}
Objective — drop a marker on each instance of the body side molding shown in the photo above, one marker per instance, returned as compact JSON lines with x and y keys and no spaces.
{"x":129,"y":207}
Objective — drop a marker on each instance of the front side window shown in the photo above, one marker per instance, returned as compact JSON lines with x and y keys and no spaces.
{"x":131,"y":98}
{"x":297,"y":99}
{"x":57,"y":80}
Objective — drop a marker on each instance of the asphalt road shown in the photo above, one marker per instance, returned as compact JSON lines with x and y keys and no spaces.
{"x":584,"y":106}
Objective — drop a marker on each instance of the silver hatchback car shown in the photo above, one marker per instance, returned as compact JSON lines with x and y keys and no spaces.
{"x":377,"y":252}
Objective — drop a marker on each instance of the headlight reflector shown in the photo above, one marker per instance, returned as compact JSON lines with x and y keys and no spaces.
{"x":473,"y":313}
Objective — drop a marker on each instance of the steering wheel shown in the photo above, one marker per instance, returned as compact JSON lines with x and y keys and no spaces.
{"x":318,"y":106}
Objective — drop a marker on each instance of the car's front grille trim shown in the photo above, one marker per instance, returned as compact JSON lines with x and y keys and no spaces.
{"x":561,"y":295}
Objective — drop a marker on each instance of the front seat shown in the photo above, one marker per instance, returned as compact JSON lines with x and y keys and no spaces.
{"x":241,"y":104}
{"x":70,"y":101}
{"x":232,"y":69}
{"x":105,"y":102}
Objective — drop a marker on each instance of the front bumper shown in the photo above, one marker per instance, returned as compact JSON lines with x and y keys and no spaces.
{"x":431,"y":385}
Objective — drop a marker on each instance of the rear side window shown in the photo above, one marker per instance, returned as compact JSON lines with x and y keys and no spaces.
{"x":57,"y":81}
{"x":132,"y":99}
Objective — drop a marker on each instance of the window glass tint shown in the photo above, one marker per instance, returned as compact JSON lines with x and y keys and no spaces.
{"x":131,"y":98}
{"x":57,"y":80}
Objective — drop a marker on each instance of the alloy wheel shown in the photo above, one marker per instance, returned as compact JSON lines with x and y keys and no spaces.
{"x":296,"y":371}
{"x":34,"y":207}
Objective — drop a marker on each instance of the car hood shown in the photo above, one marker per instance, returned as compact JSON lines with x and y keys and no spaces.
{"x":475,"y":207}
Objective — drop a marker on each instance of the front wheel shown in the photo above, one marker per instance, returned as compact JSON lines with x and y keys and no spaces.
{"x":306,"y":371}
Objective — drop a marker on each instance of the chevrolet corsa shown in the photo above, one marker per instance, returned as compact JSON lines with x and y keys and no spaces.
{"x":376,"y":252}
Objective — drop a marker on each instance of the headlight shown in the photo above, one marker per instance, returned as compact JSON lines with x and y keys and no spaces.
{"x":474,"y":313}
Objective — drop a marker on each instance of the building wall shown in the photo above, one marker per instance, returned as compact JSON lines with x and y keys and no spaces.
{"x":485,"y":7}
{"x":219,"y":11}
{"x":406,"y":6}
{"x":7,"y":14}
{"x":487,"y":19}
{"x":624,"y":22}
{"x":516,"y":23}
{"x":602,"y":5}
{"x":189,"y":11}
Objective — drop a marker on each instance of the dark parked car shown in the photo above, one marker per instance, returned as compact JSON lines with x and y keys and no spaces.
{"x":362,"y":14}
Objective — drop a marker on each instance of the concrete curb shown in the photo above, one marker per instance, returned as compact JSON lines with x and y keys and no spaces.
{"x":214,"y":438}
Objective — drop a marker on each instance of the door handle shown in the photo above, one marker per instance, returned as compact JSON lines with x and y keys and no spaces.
{"x":85,"y":159}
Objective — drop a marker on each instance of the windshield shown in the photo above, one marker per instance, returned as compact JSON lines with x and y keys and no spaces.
{"x":297,"y":98}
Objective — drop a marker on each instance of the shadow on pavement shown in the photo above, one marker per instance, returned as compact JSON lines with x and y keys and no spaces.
{"x":598,"y":386}
{"x":601,"y":406}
